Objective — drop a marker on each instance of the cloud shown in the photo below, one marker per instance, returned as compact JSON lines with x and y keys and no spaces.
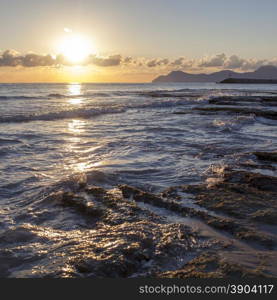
{"x":12,"y":58}
{"x":234,"y":62}
{"x":253,"y":64}
{"x":157,"y":62}
{"x":34,"y":60}
{"x":178,"y":62}
{"x":182,"y":63}
{"x":214,"y":61}
{"x":112,"y":60}
{"x":128,"y":60}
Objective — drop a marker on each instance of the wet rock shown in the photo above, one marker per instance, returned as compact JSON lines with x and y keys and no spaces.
{"x":242,"y":231}
{"x":171,"y":192}
{"x":252,"y":180}
{"x":251,"y":165}
{"x":269,"y":156}
{"x":244,"y":100}
{"x":244,"y":196}
{"x":129,"y":249}
{"x":82,"y":204}
{"x":240,"y":194}
{"x":256,"y":237}
{"x":125,"y":240}
{"x":139,"y":195}
{"x":239,"y":110}
{"x":223,"y":224}
{"x":238,"y":100}
{"x":211,"y":265}
{"x":160,"y":201}
{"x":232,"y":199}
{"x":96,"y":191}
{"x":268,"y":216}
{"x":272,"y":101}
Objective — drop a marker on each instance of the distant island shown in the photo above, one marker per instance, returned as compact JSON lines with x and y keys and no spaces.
{"x":263,"y":73}
{"x":249,"y":81}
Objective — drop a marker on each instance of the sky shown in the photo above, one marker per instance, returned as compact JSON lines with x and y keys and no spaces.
{"x":134,"y":40}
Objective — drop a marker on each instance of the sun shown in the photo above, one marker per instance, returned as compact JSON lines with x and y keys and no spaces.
{"x":75,"y":48}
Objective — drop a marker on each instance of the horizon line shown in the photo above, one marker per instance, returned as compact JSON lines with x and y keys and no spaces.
{"x":84,"y":82}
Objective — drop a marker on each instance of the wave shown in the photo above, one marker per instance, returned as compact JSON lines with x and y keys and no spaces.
{"x":21,"y":97}
{"x":88,"y":113}
{"x":158,"y":93}
{"x":9,"y":141}
{"x":163,"y":104}
{"x":61,"y":96}
{"x":51,"y":96}
{"x":151,"y":94}
{"x":234,"y":124}
{"x":56,"y":95}
{"x":266,"y":121}
{"x":51,"y":116}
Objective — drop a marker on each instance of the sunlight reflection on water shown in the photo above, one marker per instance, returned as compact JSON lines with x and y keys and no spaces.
{"x":74,"y":90}
{"x":76,"y":162}
{"x":76,"y":126}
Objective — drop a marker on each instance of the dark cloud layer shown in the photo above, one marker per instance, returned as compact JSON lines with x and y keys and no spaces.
{"x":113,"y":60}
{"x":157,"y":62}
{"x":214,"y":61}
{"x":233,"y":62}
{"x":11,"y":58}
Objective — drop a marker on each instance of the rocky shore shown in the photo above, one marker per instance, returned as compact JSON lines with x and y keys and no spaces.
{"x":127,"y":232}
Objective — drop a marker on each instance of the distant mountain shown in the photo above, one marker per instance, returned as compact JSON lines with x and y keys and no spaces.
{"x":265,"y":72}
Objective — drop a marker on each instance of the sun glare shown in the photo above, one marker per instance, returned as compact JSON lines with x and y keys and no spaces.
{"x":74,"y":90}
{"x":76,"y":48}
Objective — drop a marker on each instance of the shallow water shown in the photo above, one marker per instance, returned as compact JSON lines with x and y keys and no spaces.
{"x":54,"y":136}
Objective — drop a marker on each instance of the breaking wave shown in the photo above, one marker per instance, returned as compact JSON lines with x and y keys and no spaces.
{"x":76,"y":113}
{"x":21,"y":97}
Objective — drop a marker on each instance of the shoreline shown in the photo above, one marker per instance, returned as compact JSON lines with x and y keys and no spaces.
{"x":247,"y":81}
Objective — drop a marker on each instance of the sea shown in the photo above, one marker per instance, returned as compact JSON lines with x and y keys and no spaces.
{"x":150,"y":136}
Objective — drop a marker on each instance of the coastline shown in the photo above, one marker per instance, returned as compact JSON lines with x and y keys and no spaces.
{"x":248,"y":81}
